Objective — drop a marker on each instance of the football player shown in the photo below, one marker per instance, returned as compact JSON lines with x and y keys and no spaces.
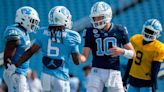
{"x":17,"y":40}
{"x":57,"y":42}
{"x":105,"y":39}
{"x":149,"y":55}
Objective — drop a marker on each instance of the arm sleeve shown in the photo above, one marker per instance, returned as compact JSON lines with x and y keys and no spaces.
{"x":126,"y":75}
{"x":154,"y":70}
{"x":125,"y":38}
{"x":75,"y":40}
{"x":11,"y":35}
{"x":75,"y":49}
{"x":87,"y":36}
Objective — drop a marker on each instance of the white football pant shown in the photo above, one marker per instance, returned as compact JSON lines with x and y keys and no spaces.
{"x":16,"y":82}
{"x":52,"y":84}
{"x":100,"y":78}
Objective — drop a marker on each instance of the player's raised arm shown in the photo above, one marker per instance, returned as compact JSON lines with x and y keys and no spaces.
{"x":27,"y":54}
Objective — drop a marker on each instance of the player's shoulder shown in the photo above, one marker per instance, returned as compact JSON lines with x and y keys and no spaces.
{"x":159,"y":45}
{"x":12,"y":30}
{"x":73,"y":36}
{"x":120,"y":28}
{"x":72,"y":32}
{"x":159,"y":49}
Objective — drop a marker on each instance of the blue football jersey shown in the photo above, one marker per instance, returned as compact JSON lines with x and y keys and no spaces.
{"x":54,"y":48}
{"x":24,"y":40}
{"x":100,"y":41}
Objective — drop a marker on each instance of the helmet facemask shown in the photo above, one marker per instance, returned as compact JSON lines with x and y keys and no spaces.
{"x":150,"y":35}
{"x":151,"y":30}
{"x":34,"y":25}
{"x":100,"y":22}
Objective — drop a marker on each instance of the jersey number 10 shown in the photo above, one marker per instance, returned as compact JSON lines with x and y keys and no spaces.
{"x":103,"y":45}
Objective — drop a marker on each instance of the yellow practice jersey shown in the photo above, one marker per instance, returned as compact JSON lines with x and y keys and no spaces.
{"x":145,"y":55}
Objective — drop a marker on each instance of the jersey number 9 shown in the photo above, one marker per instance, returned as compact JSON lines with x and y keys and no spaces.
{"x":139,"y":55}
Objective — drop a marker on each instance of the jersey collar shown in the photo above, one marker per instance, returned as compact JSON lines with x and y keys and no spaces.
{"x":109,"y":30}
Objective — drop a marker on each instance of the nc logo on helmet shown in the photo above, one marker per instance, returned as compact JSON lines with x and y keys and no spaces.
{"x":26,"y":11}
{"x":64,"y":11}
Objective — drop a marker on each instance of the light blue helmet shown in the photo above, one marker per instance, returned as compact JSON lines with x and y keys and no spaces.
{"x":60,"y":16}
{"x":27,"y":17}
{"x":100,"y":9}
{"x":151,"y":29}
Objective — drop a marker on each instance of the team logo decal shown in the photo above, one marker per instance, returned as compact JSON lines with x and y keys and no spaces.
{"x":26,"y":11}
{"x":95,"y":31}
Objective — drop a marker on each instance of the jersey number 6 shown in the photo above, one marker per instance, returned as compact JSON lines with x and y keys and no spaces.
{"x":52,"y":50}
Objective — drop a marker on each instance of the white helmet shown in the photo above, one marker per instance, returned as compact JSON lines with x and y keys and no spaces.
{"x":28,"y":18}
{"x":151,"y":29}
{"x":60,"y":16}
{"x":101,"y":9}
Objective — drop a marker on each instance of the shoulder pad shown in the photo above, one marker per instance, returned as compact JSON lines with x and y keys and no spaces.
{"x":121,"y":28}
{"x":12,"y":33}
{"x":74,"y":37}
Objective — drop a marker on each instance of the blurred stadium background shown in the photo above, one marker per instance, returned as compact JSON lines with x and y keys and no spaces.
{"x":130,"y":13}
